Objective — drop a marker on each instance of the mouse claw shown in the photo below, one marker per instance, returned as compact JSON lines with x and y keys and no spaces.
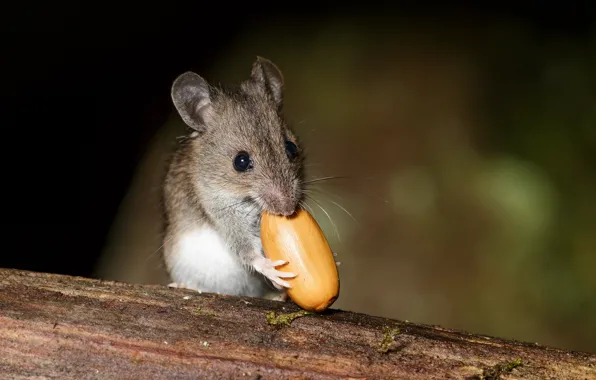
{"x":280,"y":284}
{"x":266,"y":267}
{"x":278,"y":263}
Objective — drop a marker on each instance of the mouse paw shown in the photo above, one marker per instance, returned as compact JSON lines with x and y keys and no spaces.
{"x":266,"y":267}
{"x":176,"y":285}
{"x":281,"y":296}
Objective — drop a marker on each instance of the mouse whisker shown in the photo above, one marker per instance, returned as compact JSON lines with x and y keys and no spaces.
{"x":232,"y":207}
{"x":328,"y":216}
{"x":320,"y":179}
{"x":346,"y":211}
{"x":309,"y":191}
{"x":305,"y":205}
{"x":254,"y":206}
{"x":315,"y":186}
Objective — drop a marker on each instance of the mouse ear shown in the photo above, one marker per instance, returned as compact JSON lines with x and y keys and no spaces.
{"x":269,"y":78}
{"x":190,"y":95}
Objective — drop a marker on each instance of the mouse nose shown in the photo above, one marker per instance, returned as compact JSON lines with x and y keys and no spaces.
{"x":280,"y":202}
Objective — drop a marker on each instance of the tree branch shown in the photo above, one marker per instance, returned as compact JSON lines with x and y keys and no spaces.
{"x":78,"y":328}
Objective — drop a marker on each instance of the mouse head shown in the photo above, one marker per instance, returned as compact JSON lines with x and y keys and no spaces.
{"x":243,"y":148}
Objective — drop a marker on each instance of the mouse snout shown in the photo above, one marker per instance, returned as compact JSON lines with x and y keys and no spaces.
{"x":280,"y":202}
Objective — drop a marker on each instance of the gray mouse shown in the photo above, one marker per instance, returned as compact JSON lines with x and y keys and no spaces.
{"x":240,"y":159}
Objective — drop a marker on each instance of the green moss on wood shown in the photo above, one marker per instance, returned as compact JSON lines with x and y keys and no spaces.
{"x":285,"y":319}
{"x":388,"y":339}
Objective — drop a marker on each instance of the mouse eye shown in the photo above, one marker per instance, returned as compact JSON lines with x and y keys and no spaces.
{"x":291,"y":150}
{"x":242,"y":162}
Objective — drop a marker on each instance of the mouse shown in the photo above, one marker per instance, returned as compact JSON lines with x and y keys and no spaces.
{"x":239,"y":159}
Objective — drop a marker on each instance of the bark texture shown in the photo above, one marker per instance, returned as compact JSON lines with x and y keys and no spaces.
{"x":60,"y":327}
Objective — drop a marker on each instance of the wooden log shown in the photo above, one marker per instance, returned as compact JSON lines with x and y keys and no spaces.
{"x":55,"y":326}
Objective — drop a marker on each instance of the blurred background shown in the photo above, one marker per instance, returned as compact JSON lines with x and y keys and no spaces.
{"x":464,"y":136}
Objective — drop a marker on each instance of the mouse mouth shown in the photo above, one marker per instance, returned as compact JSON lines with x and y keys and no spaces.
{"x":281,"y":208}
{"x":277,"y":204}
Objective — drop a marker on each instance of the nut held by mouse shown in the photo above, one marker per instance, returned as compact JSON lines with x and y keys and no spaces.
{"x":240,"y":159}
{"x":299,"y":240}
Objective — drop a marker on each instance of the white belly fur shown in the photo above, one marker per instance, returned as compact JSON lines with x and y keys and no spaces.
{"x":201,"y":260}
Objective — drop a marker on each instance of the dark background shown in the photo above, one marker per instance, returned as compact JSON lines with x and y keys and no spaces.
{"x":83,"y":89}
